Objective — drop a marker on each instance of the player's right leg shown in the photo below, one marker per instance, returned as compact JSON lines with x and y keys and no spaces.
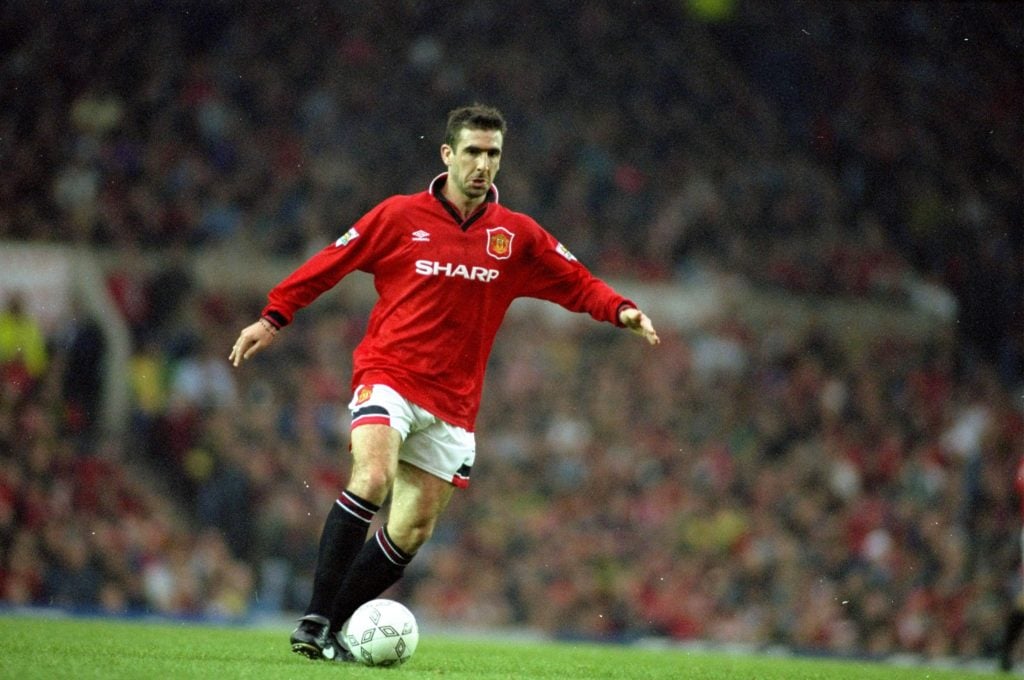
{"x":374,"y":466}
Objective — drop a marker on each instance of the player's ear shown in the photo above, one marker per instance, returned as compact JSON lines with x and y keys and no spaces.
{"x":446,"y":154}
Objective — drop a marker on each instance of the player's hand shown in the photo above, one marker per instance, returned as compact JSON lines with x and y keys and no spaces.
{"x":251,"y":340}
{"x":638,"y":322}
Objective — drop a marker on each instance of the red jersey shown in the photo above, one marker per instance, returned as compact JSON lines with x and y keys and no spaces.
{"x":444,"y":285}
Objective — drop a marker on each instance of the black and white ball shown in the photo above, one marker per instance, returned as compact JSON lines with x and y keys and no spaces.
{"x":381,"y":633}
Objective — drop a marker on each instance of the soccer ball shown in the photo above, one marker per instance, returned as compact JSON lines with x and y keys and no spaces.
{"x":381,"y":633}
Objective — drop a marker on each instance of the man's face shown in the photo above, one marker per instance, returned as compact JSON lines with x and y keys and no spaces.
{"x":473,"y":162}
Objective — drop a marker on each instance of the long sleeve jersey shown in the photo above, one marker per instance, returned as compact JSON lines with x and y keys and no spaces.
{"x":444,"y":285}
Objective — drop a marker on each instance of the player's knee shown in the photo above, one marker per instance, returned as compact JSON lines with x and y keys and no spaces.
{"x":374,"y":461}
{"x":372,"y":482}
{"x":411,"y":537}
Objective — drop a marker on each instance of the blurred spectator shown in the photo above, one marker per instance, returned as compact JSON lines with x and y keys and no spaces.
{"x":79,"y":348}
{"x":23,"y":352}
{"x":201,"y":378}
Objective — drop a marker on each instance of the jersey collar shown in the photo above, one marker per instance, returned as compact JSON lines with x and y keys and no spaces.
{"x":435,"y":189}
{"x":438,"y":183}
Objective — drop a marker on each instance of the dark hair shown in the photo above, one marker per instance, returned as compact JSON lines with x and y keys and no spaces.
{"x":475,"y":117}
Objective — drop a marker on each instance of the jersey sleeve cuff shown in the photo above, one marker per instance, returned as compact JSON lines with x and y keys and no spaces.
{"x":275,"y":318}
{"x":625,"y":304}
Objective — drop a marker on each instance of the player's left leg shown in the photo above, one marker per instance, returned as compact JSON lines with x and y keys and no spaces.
{"x":417,"y":501}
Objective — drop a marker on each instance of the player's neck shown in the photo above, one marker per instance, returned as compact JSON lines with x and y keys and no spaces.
{"x":464,"y":204}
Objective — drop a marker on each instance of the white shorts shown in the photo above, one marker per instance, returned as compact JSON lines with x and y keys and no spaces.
{"x":429,"y":443}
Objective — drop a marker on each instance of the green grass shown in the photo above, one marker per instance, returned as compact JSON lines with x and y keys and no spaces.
{"x":32,"y":647}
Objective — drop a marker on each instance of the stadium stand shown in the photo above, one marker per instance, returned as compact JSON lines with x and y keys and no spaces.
{"x":829,"y":490}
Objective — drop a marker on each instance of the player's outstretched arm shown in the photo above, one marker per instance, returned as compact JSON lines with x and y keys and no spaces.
{"x":638,"y":322}
{"x":251,"y":340}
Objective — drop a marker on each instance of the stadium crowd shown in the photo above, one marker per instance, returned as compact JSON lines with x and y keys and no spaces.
{"x":759,"y":485}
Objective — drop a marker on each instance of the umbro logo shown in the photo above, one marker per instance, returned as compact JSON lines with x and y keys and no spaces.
{"x":421,"y":236}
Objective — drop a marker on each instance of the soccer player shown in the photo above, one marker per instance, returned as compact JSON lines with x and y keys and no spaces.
{"x":447,"y":263}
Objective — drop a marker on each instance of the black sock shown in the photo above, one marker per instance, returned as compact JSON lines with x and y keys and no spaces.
{"x":343,"y":535}
{"x":377,"y":567}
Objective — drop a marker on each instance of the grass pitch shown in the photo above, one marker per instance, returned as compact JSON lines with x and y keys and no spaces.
{"x":33,"y":647}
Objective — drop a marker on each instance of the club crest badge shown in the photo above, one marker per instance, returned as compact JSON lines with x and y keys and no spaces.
{"x":363,"y":394}
{"x":499,"y":243}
